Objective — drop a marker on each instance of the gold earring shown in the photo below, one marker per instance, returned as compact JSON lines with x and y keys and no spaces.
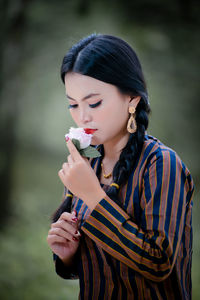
{"x":132,"y":126}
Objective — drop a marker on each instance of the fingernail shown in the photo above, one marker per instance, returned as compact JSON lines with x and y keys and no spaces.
{"x":74,"y":219}
{"x":74,"y":212}
{"x":75,"y":239}
{"x":66,"y":138}
{"x":77,"y":232}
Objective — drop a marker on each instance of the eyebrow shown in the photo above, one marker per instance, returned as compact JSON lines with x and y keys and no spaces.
{"x":84,"y":98}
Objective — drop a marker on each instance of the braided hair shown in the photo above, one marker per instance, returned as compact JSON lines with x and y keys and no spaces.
{"x":111,"y":60}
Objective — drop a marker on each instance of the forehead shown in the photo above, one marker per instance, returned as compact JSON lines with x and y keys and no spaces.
{"x":78,"y":85}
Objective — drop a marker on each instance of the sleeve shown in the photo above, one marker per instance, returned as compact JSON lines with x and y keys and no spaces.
{"x":150,"y":247}
{"x":63,"y":271}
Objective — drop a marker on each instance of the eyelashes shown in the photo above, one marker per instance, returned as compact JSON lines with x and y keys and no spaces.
{"x":91,"y":105}
{"x":95,"y":104}
{"x":72,"y":106}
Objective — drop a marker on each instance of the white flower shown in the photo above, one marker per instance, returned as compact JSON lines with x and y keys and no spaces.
{"x":80,"y":135}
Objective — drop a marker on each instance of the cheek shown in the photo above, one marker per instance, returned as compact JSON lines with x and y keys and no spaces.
{"x":107,"y":114}
{"x":74,"y":115}
{"x":118,"y":115}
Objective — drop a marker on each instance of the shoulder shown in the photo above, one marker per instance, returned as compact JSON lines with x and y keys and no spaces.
{"x":154,"y":150}
{"x":156,"y":146}
{"x":164,"y":161}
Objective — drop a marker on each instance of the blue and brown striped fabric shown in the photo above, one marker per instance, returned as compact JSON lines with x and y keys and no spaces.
{"x":143,"y":248}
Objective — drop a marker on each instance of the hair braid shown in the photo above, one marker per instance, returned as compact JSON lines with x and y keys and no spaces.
{"x":131,"y":151}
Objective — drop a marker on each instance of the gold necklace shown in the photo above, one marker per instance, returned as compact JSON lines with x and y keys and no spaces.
{"x":103,"y":172}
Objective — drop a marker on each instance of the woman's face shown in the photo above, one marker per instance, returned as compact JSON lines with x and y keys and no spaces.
{"x":98,"y":105}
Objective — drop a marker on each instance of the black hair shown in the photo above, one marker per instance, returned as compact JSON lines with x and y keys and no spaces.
{"x":111,"y":60}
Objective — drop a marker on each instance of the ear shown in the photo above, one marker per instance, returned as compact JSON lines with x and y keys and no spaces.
{"x":134,"y":101}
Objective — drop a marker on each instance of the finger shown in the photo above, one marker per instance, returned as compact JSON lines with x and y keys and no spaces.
{"x":65,"y":167}
{"x":66,"y":227}
{"x":53,"y":238}
{"x":62,"y":233}
{"x":69,"y":217}
{"x":61,"y":174}
{"x":65,"y":234}
{"x":70,"y":160}
{"x":73,"y":151}
{"x":86,"y":160}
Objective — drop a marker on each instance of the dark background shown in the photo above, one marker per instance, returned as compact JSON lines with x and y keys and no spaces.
{"x":34,"y":118}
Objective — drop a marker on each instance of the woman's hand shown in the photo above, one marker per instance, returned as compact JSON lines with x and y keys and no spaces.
{"x":79,"y":177}
{"x":63,"y":237}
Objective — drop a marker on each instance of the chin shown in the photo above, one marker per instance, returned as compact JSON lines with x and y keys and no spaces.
{"x":95,"y":142}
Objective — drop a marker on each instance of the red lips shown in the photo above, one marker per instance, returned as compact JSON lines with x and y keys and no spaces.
{"x":89,"y":131}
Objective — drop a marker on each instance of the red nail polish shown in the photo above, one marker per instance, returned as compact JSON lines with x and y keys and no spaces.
{"x":75,"y":219}
{"x":75,"y":239}
{"x":66,"y":138}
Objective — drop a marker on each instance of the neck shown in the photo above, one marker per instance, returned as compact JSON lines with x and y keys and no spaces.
{"x":113,"y":148}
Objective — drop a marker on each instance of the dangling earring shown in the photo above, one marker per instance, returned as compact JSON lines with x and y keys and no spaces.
{"x":132,"y":126}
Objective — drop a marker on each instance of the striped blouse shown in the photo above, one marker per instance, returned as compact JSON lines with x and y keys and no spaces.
{"x":141,"y":249}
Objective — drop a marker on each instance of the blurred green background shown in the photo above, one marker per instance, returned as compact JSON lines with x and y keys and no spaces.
{"x":34,"y":117}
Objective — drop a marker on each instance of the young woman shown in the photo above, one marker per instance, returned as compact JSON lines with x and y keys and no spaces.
{"x":124,"y":227}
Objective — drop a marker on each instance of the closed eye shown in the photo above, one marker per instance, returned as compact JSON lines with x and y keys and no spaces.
{"x":95,"y":104}
{"x":91,"y":105}
{"x":72,"y":106}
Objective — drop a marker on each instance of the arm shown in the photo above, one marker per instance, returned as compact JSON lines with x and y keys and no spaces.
{"x":150,"y":247}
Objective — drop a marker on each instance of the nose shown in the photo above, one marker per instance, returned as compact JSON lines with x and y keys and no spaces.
{"x":85,"y":116}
